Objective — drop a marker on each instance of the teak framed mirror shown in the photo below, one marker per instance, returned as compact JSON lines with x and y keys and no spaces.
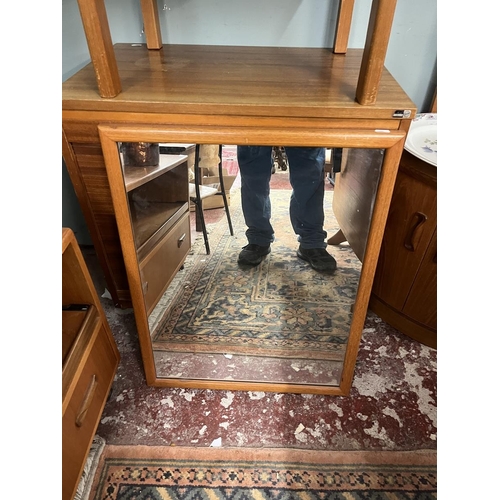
{"x":384,"y":149}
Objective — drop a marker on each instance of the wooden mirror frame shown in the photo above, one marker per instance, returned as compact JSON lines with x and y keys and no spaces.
{"x":391,"y":141}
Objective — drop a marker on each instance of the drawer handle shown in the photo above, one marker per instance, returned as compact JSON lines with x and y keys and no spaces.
{"x":180,"y":240}
{"x":419,"y":219}
{"x":87,"y":400}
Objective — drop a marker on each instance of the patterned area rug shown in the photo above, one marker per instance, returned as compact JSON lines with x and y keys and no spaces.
{"x":84,"y":486}
{"x":291,"y":311}
{"x":159,"y":473}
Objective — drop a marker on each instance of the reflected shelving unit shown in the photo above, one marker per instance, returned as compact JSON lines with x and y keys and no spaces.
{"x":158,"y":201}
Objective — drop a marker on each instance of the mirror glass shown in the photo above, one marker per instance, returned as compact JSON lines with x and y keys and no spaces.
{"x":278,"y":322}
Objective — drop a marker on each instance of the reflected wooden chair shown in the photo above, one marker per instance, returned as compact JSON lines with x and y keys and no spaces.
{"x":333,"y":160}
{"x":198,"y":192}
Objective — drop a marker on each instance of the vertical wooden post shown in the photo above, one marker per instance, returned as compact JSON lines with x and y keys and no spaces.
{"x":151,"y":21}
{"x":344,"y":20}
{"x":96,"y":27}
{"x":377,"y":40}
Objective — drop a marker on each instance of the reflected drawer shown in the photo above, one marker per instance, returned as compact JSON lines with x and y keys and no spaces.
{"x":164,"y":260}
{"x":85,"y":406}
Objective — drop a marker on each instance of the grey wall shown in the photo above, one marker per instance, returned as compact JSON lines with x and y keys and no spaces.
{"x":411,"y":56}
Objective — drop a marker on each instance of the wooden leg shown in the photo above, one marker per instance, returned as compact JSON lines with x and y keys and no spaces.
{"x":102,"y":53}
{"x":337,"y":238}
{"x":344,"y":19}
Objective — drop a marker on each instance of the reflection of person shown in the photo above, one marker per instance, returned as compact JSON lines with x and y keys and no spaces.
{"x":306,"y":167}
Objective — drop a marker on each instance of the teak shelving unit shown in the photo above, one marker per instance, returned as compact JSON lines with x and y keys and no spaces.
{"x":229,"y":95}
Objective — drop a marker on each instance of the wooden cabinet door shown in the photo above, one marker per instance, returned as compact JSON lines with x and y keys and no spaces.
{"x":410,"y":225}
{"x":421,"y":302}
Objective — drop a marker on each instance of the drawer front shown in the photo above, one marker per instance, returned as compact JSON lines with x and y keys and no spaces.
{"x":163,"y":262}
{"x":84,"y":410}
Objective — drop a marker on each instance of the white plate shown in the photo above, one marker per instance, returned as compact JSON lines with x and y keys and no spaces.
{"x":421,"y":140}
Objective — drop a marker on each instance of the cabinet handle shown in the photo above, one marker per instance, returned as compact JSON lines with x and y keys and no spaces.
{"x":180,"y":240}
{"x":87,"y":399}
{"x":419,"y":219}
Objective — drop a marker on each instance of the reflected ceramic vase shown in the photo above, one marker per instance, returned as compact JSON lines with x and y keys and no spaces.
{"x":140,"y":154}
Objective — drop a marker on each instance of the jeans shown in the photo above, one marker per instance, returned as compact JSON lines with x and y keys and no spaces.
{"x":307,"y":178}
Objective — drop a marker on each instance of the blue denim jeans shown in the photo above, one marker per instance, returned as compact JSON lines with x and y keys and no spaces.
{"x":307,"y":178}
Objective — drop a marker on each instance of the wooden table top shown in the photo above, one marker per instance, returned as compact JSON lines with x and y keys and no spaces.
{"x":242,"y":81}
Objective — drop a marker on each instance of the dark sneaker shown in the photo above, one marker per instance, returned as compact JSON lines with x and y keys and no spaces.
{"x":252,"y":254}
{"x":319,"y":259}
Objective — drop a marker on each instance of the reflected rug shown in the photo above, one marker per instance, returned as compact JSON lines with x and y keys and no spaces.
{"x":281,"y":308}
{"x":147,"y":473}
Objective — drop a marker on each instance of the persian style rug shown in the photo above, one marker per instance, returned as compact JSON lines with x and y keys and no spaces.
{"x":84,"y":486}
{"x":160,"y":473}
{"x":291,"y":311}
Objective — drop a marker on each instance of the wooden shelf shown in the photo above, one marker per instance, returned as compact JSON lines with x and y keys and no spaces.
{"x":138,"y":176}
{"x":224,"y":81}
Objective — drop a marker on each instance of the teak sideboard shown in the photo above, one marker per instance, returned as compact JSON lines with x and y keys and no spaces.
{"x":196,"y":94}
{"x":404,"y":290}
{"x":90,"y":359}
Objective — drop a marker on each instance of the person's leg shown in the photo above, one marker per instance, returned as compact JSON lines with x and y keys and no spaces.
{"x":306,"y":204}
{"x":307,"y":177}
{"x":255,"y":164}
